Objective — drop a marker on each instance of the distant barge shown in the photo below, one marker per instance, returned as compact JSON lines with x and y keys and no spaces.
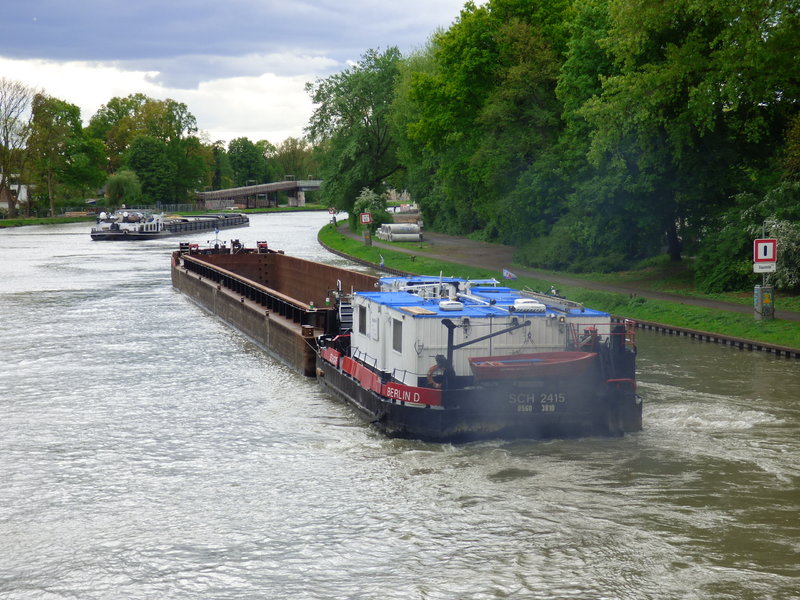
{"x":438,"y":359}
{"x":128,"y":225}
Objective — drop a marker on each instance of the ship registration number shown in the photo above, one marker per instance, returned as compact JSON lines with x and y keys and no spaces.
{"x":547,"y":402}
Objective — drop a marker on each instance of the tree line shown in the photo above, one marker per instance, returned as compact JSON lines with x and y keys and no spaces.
{"x":593,"y":135}
{"x":136,"y":150}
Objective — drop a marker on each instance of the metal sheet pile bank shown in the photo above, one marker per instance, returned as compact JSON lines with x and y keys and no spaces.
{"x":441,"y":359}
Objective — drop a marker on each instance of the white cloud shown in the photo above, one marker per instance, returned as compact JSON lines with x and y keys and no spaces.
{"x":267,"y":106}
{"x":85,"y":84}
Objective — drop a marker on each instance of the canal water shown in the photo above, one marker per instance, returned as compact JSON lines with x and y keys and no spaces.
{"x":149,"y":452}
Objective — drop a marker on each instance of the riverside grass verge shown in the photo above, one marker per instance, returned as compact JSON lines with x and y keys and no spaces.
{"x":725,"y":323}
{"x":6,"y":223}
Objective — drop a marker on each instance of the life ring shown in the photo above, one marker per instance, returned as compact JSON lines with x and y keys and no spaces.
{"x":432,"y":373}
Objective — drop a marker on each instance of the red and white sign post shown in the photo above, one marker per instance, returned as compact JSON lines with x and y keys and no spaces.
{"x":765,"y":256}
{"x":366,"y":219}
{"x":765,"y":251}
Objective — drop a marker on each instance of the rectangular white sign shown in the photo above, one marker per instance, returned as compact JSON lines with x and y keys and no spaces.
{"x":764,"y":267}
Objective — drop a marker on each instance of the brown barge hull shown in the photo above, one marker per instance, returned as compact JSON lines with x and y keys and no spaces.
{"x":259,"y":295}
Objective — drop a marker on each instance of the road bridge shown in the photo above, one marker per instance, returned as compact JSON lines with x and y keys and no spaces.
{"x":261,"y":195}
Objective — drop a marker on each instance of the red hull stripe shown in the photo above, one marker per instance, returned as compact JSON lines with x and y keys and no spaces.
{"x":331,"y":355}
{"x":411,"y":394}
{"x":349,"y":366}
{"x":617,"y":383}
{"x":395,"y":392}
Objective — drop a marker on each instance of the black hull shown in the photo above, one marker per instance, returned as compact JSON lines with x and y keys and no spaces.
{"x":116,"y":236}
{"x":574,"y":407}
{"x":173,"y":229}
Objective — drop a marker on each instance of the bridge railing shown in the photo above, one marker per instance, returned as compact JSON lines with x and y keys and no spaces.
{"x":261,"y":188}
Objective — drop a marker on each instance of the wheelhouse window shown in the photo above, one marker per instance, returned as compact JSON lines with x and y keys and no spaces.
{"x":362,"y":320}
{"x":397,"y":335}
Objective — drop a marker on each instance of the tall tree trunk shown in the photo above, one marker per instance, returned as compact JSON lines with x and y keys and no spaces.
{"x":12,"y":204}
{"x":673,"y":242}
{"x":5,"y":186}
{"x":29,"y":199}
{"x":50,"y":194}
{"x":28,"y":202}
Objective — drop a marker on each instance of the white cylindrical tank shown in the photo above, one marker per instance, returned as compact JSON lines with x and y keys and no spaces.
{"x":405,"y":237}
{"x":402,"y":227}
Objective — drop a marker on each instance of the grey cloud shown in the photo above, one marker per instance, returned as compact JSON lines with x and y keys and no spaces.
{"x":187,"y":72}
{"x":189,"y":41}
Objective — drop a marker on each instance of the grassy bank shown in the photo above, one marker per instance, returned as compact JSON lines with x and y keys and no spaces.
{"x":43,"y":221}
{"x":782,"y":333}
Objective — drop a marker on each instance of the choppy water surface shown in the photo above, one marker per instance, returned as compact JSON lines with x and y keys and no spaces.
{"x":147,"y":451}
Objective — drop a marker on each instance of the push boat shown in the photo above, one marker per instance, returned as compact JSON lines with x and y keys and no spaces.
{"x":440,"y":359}
{"x":132,"y":224}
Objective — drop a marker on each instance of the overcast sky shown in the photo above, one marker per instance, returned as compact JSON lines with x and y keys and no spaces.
{"x":239,"y":65}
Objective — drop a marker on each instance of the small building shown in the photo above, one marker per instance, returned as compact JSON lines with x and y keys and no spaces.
{"x":14,"y":192}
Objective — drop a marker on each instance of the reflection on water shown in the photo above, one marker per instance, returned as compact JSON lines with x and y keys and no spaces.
{"x":149,"y":451}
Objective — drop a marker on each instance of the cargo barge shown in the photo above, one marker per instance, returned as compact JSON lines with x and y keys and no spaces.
{"x":433,"y":358}
{"x":129,"y":224}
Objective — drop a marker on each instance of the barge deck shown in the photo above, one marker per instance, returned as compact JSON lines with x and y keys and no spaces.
{"x":259,"y":294}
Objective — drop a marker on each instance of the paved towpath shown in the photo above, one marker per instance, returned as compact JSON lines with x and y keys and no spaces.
{"x":497,"y":257}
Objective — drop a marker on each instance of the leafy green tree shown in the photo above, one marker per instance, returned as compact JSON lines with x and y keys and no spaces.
{"x":247,"y":162}
{"x":791,"y":161}
{"x":167,"y":122}
{"x":554,"y":199}
{"x":148,"y":157}
{"x":123,"y":187}
{"x":418,"y":162}
{"x":369,"y":201}
{"x":295,"y":157}
{"x":448,"y":100}
{"x":590,"y":215}
{"x":222,"y":177}
{"x":115,"y":124}
{"x":188,"y":157}
{"x":687,"y":117}
{"x":84,"y":170}
{"x":725,"y":258}
{"x":484,"y":112}
{"x":270,"y":169}
{"x":350,"y":124}
{"x":15,"y":102}
{"x":55,"y":134}
{"x":171,"y":123}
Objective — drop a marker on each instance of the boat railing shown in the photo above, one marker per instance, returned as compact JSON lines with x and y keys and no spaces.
{"x":554,"y":302}
{"x":365,"y":358}
{"x":586,"y":335}
{"x":401,"y":375}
